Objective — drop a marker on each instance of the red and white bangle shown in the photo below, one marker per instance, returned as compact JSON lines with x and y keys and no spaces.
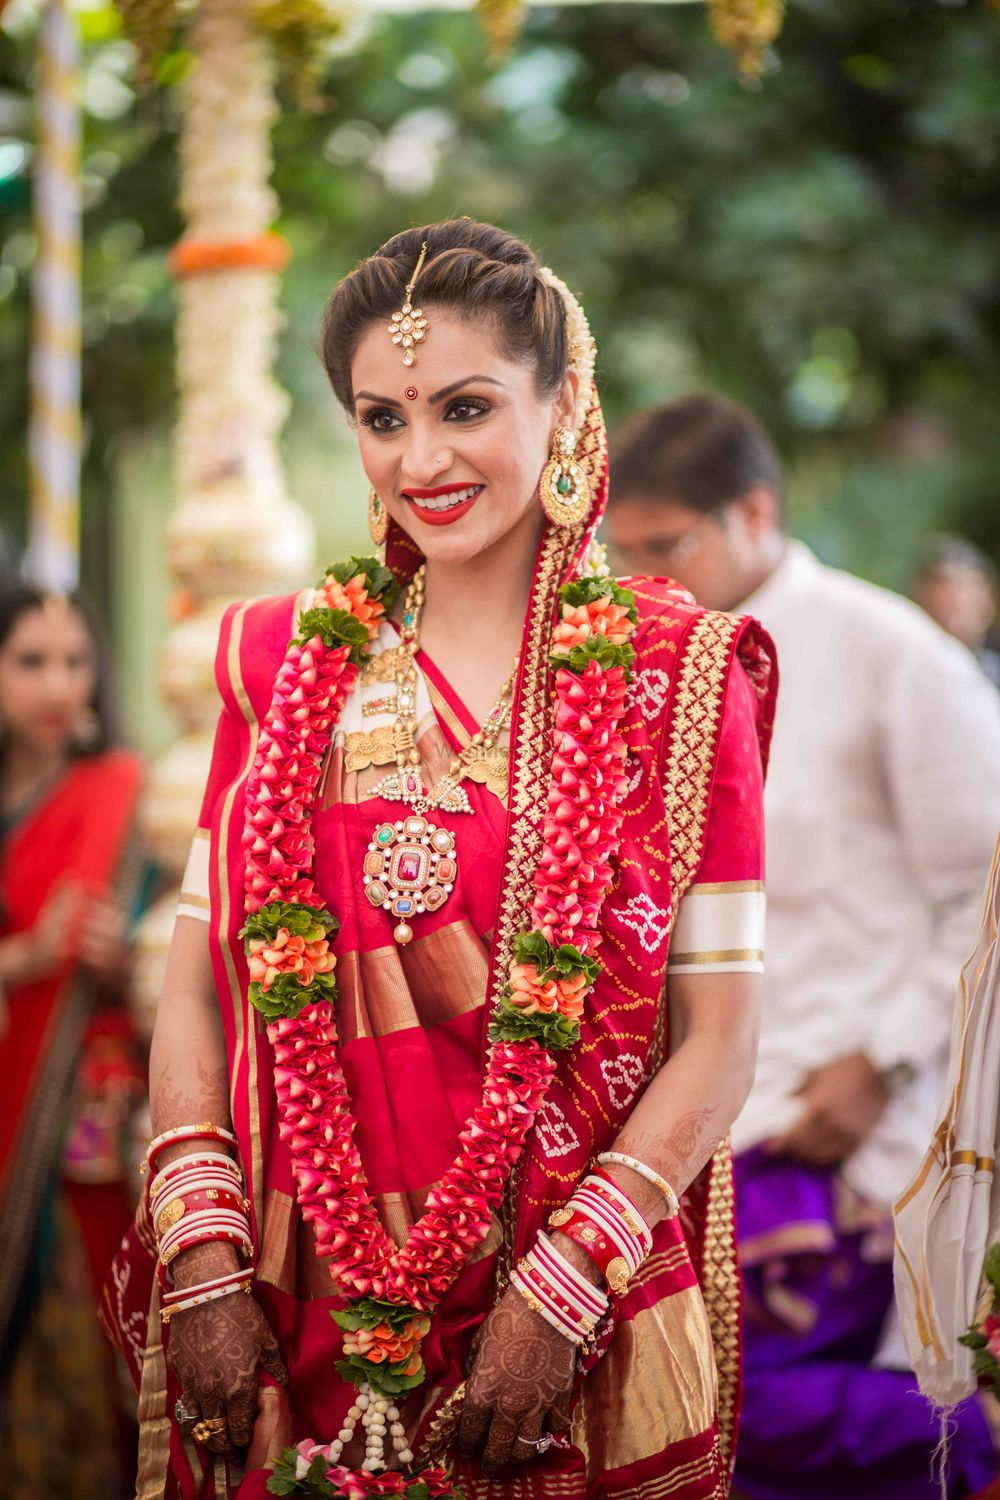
{"x":555,"y":1289}
{"x":180,"y":1133}
{"x":635,"y":1165}
{"x":212,"y":1161}
{"x":212,"y":1295}
{"x":606,"y":1224}
{"x":600,"y":1183}
{"x":195,"y":1180}
{"x":182,"y":1294}
{"x":551,"y":1263}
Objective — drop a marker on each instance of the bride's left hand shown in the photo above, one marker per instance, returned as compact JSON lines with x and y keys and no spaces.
{"x":519,"y":1388}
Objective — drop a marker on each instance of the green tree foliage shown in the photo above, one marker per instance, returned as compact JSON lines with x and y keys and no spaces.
{"x":824,"y":248}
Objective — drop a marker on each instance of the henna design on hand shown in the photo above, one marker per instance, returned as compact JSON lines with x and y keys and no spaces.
{"x":522,"y":1372}
{"x":215,"y":1351}
{"x":679,"y":1153}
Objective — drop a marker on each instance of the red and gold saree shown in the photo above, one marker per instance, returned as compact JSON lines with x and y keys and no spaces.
{"x":656,"y":1413}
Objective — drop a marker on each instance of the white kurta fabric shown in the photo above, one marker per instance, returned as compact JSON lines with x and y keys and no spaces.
{"x":882,"y":806}
{"x":950,"y":1214}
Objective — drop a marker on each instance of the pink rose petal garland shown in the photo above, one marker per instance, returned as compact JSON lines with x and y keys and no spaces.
{"x":288,"y":936}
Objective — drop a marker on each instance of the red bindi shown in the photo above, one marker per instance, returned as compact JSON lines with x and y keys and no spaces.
{"x":411,"y":393}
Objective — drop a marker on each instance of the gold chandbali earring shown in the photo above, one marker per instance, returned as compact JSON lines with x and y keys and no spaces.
{"x":409,"y":326}
{"x":378,"y":519}
{"x":565,"y":491}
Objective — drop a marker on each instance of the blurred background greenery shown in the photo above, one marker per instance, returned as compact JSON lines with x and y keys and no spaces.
{"x":824,"y":248}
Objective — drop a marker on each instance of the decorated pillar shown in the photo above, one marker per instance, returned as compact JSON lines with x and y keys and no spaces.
{"x":52,"y":559}
{"x":235,"y":532}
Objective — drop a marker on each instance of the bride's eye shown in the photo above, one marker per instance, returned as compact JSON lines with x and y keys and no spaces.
{"x":464,"y":408}
{"x":380,"y":419}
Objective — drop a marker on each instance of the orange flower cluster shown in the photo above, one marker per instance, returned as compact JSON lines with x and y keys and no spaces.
{"x":353,"y":597}
{"x":381,"y":1346}
{"x":259,"y":252}
{"x":581,"y":621}
{"x":289,"y":954}
{"x":530,"y":994}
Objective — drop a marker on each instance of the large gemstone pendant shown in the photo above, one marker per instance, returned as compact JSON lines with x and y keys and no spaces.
{"x":410,"y":868}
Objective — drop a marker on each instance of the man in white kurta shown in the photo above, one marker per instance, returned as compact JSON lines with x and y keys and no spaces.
{"x":882,"y":807}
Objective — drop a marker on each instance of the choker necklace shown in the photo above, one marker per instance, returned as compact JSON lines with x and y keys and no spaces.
{"x":410,"y":865}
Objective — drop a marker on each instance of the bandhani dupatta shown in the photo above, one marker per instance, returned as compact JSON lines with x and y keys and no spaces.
{"x":81,"y":829}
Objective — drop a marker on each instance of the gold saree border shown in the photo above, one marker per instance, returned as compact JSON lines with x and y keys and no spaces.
{"x":639,"y":1400}
{"x":695,"y":721}
{"x":530,"y":758}
{"x":154,"y":1420}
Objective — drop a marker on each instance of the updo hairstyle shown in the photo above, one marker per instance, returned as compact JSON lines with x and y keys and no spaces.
{"x":474,"y":269}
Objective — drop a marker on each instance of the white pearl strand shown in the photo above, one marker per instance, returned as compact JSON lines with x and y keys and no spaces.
{"x":377,"y":1416}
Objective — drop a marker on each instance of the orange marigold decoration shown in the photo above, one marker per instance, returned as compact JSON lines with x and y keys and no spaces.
{"x":747,"y":27}
{"x":260,"y":252}
{"x":353,"y":597}
{"x":501,"y":20}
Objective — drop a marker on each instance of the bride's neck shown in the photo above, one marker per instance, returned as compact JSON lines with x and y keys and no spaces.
{"x":485,"y":597}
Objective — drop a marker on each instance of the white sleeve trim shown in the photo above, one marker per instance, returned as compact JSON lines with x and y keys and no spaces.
{"x":720,"y":929}
{"x":195,"y":898}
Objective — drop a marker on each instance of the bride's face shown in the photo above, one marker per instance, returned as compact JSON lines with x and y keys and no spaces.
{"x":454,"y":446}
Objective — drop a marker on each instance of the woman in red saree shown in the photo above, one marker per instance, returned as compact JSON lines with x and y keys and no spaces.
{"x":454,"y":442}
{"x":68,"y":1071}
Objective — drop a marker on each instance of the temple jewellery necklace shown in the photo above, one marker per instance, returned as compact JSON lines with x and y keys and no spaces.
{"x":411,"y":865}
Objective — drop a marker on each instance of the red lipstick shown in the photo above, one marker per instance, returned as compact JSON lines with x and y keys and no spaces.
{"x":441,"y":517}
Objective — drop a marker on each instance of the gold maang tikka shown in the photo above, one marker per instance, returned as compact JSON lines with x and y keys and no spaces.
{"x":409,"y":326}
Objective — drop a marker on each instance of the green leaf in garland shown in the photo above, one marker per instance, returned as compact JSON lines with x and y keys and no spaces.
{"x":387,"y":1380}
{"x":564,"y":962}
{"x":286,"y":996}
{"x":549,"y":1029}
{"x":369,"y":1312}
{"x":380,"y":582}
{"x":583,"y":591}
{"x":284,"y":1479}
{"x":596,"y":648}
{"x":335,"y":628}
{"x":973,"y":1339}
{"x":991,"y":1270}
{"x":301,"y":921}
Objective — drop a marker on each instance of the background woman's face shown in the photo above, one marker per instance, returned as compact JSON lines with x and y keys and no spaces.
{"x":457,"y":463}
{"x":48,"y":671}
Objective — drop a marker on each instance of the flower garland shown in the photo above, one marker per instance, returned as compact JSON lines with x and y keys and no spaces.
{"x":288,"y":936}
{"x":983,"y":1337}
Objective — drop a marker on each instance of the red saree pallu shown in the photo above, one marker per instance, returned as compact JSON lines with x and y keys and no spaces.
{"x":656,"y":1413}
{"x":81,"y":830}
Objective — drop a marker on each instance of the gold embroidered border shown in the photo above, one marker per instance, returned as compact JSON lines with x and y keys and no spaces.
{"x":691,"y":752}
{"x":530,"y":752}
{"x":721,"y":1290}
{"x":694,"y":733}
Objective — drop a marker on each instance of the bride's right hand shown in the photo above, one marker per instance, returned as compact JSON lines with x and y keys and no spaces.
{"x":215,"y":1351}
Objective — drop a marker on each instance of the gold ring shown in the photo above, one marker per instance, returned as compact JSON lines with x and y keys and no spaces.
{"x":207,"y":1427}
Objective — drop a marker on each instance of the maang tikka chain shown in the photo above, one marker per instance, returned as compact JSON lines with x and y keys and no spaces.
{"x":409,"y":326}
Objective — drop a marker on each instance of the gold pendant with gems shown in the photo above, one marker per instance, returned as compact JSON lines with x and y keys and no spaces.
{"x":410,"y":868}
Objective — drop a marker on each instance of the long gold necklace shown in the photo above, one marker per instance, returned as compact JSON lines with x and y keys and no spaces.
{"x":411,"y":865}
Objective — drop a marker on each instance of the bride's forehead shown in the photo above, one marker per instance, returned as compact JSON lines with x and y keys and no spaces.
{"x":453,"y":345}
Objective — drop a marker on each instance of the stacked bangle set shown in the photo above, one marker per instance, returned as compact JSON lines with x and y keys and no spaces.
{"x":196,"y":1199}
{"x":604,"y":1222}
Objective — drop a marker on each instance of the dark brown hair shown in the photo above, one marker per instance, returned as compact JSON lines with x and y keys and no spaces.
{"x":701,"y":450}
{"x":476,"y":269}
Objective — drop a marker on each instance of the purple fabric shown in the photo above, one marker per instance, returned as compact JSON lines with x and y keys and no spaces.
{"x":818,"y":1422}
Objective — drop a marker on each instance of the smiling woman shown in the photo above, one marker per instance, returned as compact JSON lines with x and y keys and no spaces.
{"x":452,"y":826}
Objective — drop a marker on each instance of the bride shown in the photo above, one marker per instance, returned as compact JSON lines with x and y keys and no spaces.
{"x":462,"y":998}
